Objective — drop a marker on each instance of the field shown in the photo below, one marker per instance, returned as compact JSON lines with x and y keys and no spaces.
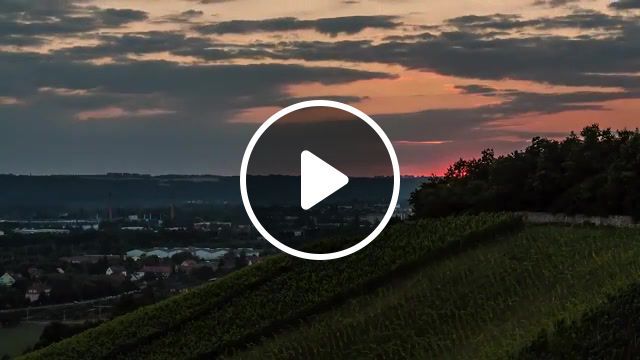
{"x":461,"y":287}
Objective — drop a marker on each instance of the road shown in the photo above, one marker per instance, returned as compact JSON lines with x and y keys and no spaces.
{"x":69,"y":304}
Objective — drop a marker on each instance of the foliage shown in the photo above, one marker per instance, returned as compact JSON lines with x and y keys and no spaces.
{"x":248,"y":304}
{"x":595,"y":173}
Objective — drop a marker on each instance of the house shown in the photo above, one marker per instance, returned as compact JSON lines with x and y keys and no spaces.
{"x":36,"y":290}
{"x":188,"y":265}
{"x":137,"y":276}
{"x":1,"y":233}
{"x":34,"y":272}
{"x":116,"y":270}
{"x":161,"y":270}
{"x":7,"y":280}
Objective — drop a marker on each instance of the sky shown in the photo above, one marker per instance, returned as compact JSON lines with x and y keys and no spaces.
{"x":180,"y":86}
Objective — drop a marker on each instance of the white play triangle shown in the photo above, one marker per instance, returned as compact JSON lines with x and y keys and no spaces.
{"x":318,"y":180}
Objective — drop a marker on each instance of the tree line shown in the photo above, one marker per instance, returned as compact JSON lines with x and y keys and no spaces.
{"x":595,"y":172}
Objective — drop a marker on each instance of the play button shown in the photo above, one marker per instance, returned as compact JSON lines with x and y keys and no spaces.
{"x":318,"y":180}
{"x":319,"y":170}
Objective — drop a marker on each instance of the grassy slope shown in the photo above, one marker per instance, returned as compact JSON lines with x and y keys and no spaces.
{"x":486,"y":303}
{"x":277,"y":293}
{"x":610,"y":331}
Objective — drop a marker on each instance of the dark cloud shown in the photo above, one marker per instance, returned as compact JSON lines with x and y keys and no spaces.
{"x":119,"y":17}
{"x":476,"y":89}
{"x":13,"y":40}
{"x":579,"y":19}
{"x":554,"y":3}
{"x":330,"y":26}
{"x":184,"y":17}
{"x":461,"y":124}
{"x":134,"y":43}
{"x":625,"y":4}
{"x":607,"y":60}
{"x":56,"y":17}
{"x":186,"y":130}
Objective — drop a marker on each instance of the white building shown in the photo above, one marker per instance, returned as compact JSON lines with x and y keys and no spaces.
{"x":1,"y":233}
{"x":34,"y":292}
{"x":41,"y":231}
{"x":161,"y":253}
{"x":137,"y":276}
{"x":116,"y":270}
{"x":135,"y":254}
{"x":7,"y":280}
{"x":133,"y":228}
{"x":209,"y":254}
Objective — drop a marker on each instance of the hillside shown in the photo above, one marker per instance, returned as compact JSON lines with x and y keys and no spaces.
{"x":460,"y":287}
{"x":608,"y":331}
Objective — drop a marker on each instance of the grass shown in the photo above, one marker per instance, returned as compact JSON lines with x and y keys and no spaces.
{"x":483,"y":304}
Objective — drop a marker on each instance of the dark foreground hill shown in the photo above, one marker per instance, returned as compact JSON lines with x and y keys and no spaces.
{"x":480,"y":287}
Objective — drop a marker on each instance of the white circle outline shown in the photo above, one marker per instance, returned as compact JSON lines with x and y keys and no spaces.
{"x":394,"y":163}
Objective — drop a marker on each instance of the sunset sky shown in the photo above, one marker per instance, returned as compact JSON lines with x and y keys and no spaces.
{"x":179,"y":86}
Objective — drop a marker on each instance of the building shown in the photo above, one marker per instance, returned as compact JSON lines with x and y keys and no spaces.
{"x":1,"y":233}
{"x":137,"y":276}
{"x":135,"y":254}
{"x":36,"y":290}
{"x":208,"y":255}
{"x":42,"y":231}
{"x":34,"y":272}
{"x":188,"y":265}
{"x":89,"y":259}
{"x":7,"y":280}
{"x":162,"y":270}
{"x":116,"y":270}
{"x":133,"y":228}
{"x":161,"y":253}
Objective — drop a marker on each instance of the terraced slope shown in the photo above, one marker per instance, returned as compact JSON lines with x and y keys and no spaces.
{"x":610,"y":331}
{"x":483,"y":304}
{"x":276,"y":294}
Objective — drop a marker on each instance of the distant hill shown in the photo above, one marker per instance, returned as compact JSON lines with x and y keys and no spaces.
{"x":132,"y":190}
{"x":470,"y":287}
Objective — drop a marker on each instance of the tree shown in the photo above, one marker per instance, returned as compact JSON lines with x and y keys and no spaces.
{"x":593,"y":173}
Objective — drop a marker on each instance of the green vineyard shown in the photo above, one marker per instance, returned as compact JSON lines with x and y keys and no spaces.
{"x":480,"y":287}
